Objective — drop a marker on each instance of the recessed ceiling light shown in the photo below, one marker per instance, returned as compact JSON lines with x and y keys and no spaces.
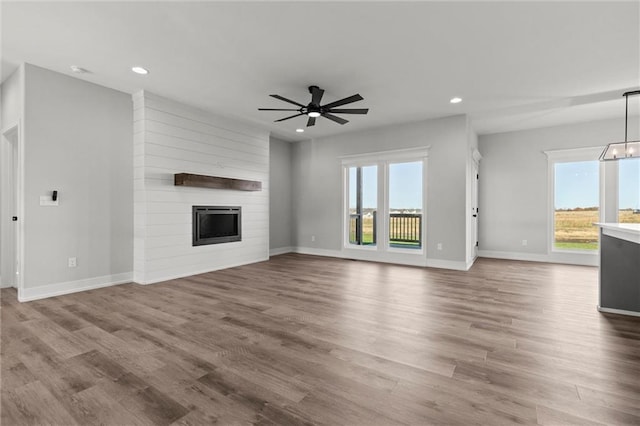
{"x":140,"y":70}
{"x":78,"y":70}
{"x":300,"y":130}
{"x":455,"y":100}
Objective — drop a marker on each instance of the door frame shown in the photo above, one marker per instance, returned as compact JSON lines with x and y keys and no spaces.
{"x":473,"y":200}
{"x":12,"y":197}
{"x":475,"y":181}
{"x":381,"y":252}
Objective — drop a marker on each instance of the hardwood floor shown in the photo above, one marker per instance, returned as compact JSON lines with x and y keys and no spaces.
{"x":311,"y":340}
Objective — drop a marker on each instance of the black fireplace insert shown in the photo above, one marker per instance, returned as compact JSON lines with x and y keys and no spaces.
{"x":216,"y":224}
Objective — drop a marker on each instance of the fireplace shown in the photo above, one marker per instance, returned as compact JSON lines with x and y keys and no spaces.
{"x":216,"y":224}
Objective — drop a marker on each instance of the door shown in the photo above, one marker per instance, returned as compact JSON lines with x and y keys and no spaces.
{"x":8,"y":228}
{"x":474,"y":209}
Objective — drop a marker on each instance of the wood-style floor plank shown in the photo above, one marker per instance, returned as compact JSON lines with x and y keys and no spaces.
{"x":311,"y":340}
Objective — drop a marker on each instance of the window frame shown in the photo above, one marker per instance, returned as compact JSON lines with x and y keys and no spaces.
{"x":387,"y":211}
{"x":616,"y":171}
{"x":572,"y":156}
{"x":346,"y":206}
{"x":382,"y":160}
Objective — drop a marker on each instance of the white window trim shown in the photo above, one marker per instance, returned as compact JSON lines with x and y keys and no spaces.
{"x":570,"y":156}
{"x":382,"y":159}
{"x":396,"y":155}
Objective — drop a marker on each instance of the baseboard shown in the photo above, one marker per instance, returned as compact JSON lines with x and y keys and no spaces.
{"x":280,"y":250}
{"x":564,"y":258}
{"x":58,"y":289}
{"x":448,"y":264}
{"x":509,"y":255}
{"x":470,"y":263}
{"x":170,"y":277}
{"x":318,"y":252}
{"x":429,"y":263}
{"x":618,"y":311}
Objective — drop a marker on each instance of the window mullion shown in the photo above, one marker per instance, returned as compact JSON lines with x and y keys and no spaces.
{"x":359,"y":217}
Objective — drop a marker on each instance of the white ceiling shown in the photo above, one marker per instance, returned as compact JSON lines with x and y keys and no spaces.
{"x":516,"y":64}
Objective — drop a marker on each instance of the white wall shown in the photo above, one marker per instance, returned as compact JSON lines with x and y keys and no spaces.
{"x":78,"y":141}
{"x":12,"y":100}
{"x":170,"y":138}
{"x":514,"y":185}
{"x":317,"y":186}
{"x":280,"y":220}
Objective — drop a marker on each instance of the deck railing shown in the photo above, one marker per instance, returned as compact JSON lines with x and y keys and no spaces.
{"x":405,"y":229}
{"x":362,"y":231}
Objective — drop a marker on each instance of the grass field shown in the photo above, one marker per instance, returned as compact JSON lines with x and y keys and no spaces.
{"x":367,"y":231}
{"x":367,"y":235}
{"x":574,"y":229}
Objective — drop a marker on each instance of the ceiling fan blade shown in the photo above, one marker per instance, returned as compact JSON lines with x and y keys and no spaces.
{"x":277,"y":109}
{"x":287,"y":100}
{"x":349,"y":111}
{"x":316,"y":95}
{"x":354,"y":98}
{"x":311,"y":121}
{"x":335,"y":118}
{"x":286,"y":118}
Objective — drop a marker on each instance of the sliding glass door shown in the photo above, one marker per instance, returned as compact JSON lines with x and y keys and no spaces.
{"x":405,"y":205}
{"x":384,"y":200}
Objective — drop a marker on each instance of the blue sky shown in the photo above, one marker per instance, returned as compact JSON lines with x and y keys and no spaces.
{"x":369,"y":187}
{"x":405,"y":186}
{"x":577,"y":184}
{"x":629,"y":181}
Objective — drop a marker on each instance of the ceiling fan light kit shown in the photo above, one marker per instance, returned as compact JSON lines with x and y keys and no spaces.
{"x":626,"y":149}
{"x":314,"y":110}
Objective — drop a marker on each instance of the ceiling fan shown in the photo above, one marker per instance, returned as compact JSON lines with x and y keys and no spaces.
{"x":314,"y":110}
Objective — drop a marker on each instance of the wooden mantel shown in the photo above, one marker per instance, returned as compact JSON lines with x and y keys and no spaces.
{"x":204,"y":181}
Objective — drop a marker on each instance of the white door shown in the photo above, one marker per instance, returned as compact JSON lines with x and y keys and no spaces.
{"x":474,"y":204}
{"x":8,"y":192}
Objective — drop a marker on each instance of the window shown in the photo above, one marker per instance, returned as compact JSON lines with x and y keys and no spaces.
{"x":384,"y":203}
{"x":363,"y":205}
{"x":629,"y":190}
{"x":405,"y":205}
{"x":576,"y":205}
{"x":576,"y":200}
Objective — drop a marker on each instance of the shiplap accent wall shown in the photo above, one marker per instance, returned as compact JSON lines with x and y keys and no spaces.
{"x":169,"y":138}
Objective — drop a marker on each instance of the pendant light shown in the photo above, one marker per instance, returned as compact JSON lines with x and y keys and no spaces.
{"x":626,"y":149}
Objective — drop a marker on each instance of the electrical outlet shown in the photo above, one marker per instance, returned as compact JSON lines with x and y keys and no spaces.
{"x":524,"y":242}
{"x":313,"y":238}
{"x":73,"y":262}
{"x":439,"y":246}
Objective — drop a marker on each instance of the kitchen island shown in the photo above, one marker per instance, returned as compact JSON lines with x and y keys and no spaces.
{"x":620,"y":268}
